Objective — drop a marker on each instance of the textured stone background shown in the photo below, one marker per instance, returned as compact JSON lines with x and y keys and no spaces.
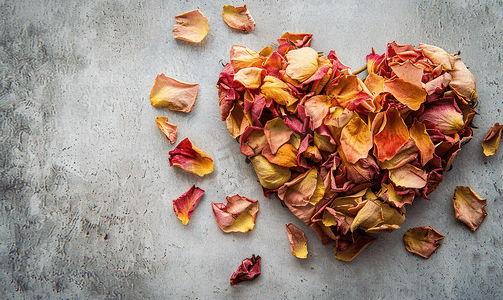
{"x":86,"y":186}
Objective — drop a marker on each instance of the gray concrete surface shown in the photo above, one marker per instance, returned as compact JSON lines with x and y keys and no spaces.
{"x":86,"y":186}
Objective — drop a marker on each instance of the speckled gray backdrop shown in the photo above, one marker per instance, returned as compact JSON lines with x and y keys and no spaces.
{"x":86,"y":186}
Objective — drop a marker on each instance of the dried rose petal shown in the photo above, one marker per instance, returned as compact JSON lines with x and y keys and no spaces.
{"x":174,"y":94}
{"x":192,"y":26}
{"x":469,"y":207}
{"x":423,"y":142}
{"x":238,"y":18}
{"x":250,"y":78}
{"x":191,"y":159}
{"x":408,"y":72}
{"x":360,"y":242}
{"x":368,"y":216}
{"x":492,"y":140}
{"x":298,"y":242}
{"x":170,"y":130}
{"x":243,"y":57}
{"x":463,"y":82}
{"x":302,"y":63}
{"x":422,"y":241}
{"x":405,"y":92}
{"x":390,"y":133}
{"x":238,"y":215}
{"x":275,"y":89}
{"x":248,"y":270}
{"x":408,"y":176}
{"x":186,"y":203}
{"x":356,"y":140}
{"x":438,"y":56}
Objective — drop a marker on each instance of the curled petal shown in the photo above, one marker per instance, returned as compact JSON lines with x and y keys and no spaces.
{"x":390,"y":135}
{"x":422,"y":241}
{"x":298,"y":39}
{"x":368,"y":216}
{"x":302,"y":63}
{"x":271,"y":176}
{"x":446,"y":116}
{"x":237,"y":216}
{"x":191,"y":159}
{"x":174,"y":94}
{"x":438,"y":56}
{"x":168,"y":129}
{"x":348,"y":254}
{"x":185,"y":204}
{"x":423,"y":142}
{"x":408,"y":176}
{"x":248,"y":270}
{"x":250,"y":78}
{"x":469,"y":207}
{"x":349,"y":91}
{"x":298,"y":242}
{"x":492,"y":140}
{"x":238,"y":18}
{"x":192,"y":26}
{"x":405,"y":92}
{"x":463,"y":82}
{"x":356,"y":140}
{"x":396,"y":197}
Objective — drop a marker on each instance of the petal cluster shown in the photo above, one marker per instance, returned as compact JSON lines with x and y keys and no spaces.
{"x":346,"y":155}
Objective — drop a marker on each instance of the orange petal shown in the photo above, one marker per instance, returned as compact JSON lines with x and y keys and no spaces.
{"x":277,"y":133}
{"x":396,"y":197}
{"x":356,"y":140}
{"x":492,"y":140}
{"x":286,"y":156}
{"x":423,"y":142}
{"x":275,"y":89}
{"x":406,"y":154}
{"x":174,"y":94}
{"x":354,"y":249}
{"x":422,"y":241}
{"x":438,"y":56}
{"x":469,"y":207}
{"x":408,"y":72}
{"x":271,"y":176}
{"x":242,"y":57}
{"x":374,"y":83}
{"x":185,"y":204}
{"x":390,"y":135}
{"x":299,"y":39}
{"x":238,"y":18}
{"x":317,"y":107}
{"x":298,"y":242}
{"x":302,"y":63}
{"x":250,"y":78}
{"x":407,"y":93}
{"x":192,"y":26}
{"x":408,"y":176}
{"x":237,"y":216}
{"x":191,"y":159}
{"x":348,"y":90}
{"x":463,"y":82}
{"x":168,"y":129}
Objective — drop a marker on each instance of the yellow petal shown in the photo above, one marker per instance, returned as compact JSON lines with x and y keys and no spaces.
{"x":271,"y":176}
{"x":422,"y":241}
{"x":174,"y":94}
{"x":405,"y":92}
{"x":250,"y":78}
{"x":492,"y":140}
{"x":191,"y":159}
{"x":368,"y":216}
{"x":298,"y":242}
{"x":469,"y":207}
{"x":192,"y":26}
{"x":423,"y":142}
{"x":275,"y":89}
{"x":237,"y":216}
{"x":408,"y":176}
{"x":374,"y":83}
{"x":356,"y":140}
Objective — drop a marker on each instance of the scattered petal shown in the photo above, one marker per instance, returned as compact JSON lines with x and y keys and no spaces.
{"x":492,"y":140}
{"x":238,"y":18}
{"x":191,"y":159}
{"x":185,"y":204}
{"x":168,"y":129}
{"x":248,"y":270}
{"x":192,"y":26}
{"x":174,"y":94}
{"x":422,"y":241}
{"x":469,"y":207}
{"x":237,"y":216}
{"x":298,"y":242}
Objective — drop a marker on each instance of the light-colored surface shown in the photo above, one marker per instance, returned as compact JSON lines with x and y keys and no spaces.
{"x":86,"y":187}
